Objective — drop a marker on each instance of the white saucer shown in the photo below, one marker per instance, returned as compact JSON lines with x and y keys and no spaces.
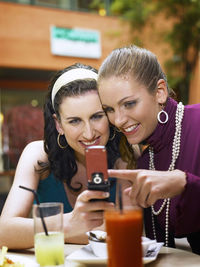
{"x":85,"y":255}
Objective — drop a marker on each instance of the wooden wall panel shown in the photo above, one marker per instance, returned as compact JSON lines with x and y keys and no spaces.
{"x":25,"y":35}
{"x":25,"y":38}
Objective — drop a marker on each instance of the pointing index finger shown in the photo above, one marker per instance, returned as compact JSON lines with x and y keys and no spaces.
{"x":124,"y":174}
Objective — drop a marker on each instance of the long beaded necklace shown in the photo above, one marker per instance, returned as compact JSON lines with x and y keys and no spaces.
{"x":175,"y":154}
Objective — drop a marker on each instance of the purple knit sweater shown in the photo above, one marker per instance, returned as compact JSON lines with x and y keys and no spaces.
{"x":184,"y":218}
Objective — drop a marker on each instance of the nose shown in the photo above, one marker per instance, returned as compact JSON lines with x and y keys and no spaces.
{"x":120,"y":118}
{"x":88,"y":132}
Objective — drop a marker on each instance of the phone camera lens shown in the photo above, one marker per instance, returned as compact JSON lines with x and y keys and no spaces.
{"x":97,"y":179}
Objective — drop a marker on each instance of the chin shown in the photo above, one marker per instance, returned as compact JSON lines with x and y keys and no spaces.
{"x":133,"y":141}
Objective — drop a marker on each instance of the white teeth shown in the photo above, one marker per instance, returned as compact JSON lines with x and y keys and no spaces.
{"x":129,"y":129}
{"x":89,"y":143}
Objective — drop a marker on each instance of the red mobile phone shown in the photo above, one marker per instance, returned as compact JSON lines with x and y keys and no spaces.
{"x":97,"y":168}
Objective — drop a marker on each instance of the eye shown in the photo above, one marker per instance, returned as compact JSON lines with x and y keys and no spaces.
{"x":108,"y":110}
{"x":98,"y":116}
{"x":74,"y":121}
{"x":129,"y":104}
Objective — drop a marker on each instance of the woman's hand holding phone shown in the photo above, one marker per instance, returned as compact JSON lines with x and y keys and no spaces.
{"x":89,"y":213}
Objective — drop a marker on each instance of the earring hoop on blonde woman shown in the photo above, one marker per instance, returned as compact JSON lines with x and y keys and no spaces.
{"x":58,"y":141}
{"x":159,"y":116}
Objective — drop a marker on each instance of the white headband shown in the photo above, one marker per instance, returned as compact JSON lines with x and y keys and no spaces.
{"x":70,"y":76}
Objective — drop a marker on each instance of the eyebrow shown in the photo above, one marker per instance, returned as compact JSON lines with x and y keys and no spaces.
{"x":120,"y":101}
{"x":71,"y":118}
{"x":98,"y":112}
{"x":76,"y":117}
{"x":125,"y":98}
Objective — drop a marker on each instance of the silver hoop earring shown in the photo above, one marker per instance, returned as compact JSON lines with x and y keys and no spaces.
{"x":159,"y":117}
{"x":58,"y":141}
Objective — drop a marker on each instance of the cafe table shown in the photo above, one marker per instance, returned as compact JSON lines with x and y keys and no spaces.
{"x":167,"y":257}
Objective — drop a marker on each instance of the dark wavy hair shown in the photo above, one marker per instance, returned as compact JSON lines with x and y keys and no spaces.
{"x":62,"y":162}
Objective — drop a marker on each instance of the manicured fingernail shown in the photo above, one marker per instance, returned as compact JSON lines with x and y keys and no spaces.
{"x":106,"y":194}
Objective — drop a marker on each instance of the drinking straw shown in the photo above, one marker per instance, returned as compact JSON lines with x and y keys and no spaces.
{"x":120,"y":199}
{"x":38,"y":203}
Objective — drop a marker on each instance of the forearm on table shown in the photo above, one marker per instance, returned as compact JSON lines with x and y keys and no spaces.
{"x":17,"y":233}
{"x":81,"y":239}
{"x":73,"y":235}
{"x":76,"y":235}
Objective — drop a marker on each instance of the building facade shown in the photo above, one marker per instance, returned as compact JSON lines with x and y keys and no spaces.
{"x":27,"y":59}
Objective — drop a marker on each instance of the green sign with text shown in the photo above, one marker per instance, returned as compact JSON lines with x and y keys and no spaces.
{"x":75,"y":42}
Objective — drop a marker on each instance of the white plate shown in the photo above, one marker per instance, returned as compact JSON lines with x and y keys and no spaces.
{"x":100,"y":248}
{"x":22,"y":260}
{"x":85,"y":255}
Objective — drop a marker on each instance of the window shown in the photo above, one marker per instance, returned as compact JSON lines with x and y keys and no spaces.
{"x":102,"y":6}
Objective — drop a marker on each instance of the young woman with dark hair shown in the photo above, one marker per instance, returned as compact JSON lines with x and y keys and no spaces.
{"x":55,"y":167}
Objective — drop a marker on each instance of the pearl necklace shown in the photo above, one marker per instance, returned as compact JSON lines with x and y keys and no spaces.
{"x":175,"y":154}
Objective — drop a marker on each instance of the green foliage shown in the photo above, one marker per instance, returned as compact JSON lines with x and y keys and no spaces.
{"x":97,"y":4}
{"x":187,"y":28}
{"x":184,"y":37}
{"x":136,"y":11}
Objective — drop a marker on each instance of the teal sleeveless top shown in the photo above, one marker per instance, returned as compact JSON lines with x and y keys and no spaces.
{"x":52,"y":190}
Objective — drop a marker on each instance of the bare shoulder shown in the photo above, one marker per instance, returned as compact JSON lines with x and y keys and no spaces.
{"x":19,"y":202}
{"x":36,"y":148}
{"x":35,"y":145}
{"x":27,"y":165}
{"x":34,"y":152}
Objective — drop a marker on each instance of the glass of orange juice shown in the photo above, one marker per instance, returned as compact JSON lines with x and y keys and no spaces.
{"x":124,"y":232}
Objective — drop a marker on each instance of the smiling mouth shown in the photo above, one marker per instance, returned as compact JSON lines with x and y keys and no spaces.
{"x":130,"y":130}
{"x":90,"y":143}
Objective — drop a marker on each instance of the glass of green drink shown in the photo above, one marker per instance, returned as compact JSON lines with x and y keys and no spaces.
{"x":48,"y":234}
